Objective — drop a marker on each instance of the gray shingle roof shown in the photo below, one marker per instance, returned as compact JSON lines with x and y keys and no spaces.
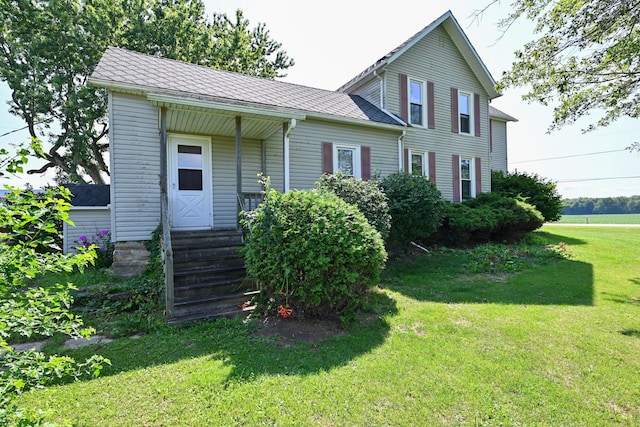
{"x":89,"y":194}
{"x":122,"y":68}
{"x":494,"y":113}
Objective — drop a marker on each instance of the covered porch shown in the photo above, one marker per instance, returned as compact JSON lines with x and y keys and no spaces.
{"x":211,"y":155}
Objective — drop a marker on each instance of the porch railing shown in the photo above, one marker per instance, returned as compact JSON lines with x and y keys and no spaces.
{"x":250,"y":201}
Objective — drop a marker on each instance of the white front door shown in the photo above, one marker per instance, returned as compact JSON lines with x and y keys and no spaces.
{"x":190,"y":182}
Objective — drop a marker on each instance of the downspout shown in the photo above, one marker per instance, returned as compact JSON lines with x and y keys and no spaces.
{"x":400,"y":141}
{"x":287,"y":170}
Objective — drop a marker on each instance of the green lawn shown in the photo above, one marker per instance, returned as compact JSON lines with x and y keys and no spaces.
{"x":557,"y":344}
{"x":601,"y":219}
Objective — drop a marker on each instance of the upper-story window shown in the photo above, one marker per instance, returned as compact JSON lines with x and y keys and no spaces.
{"x":416,"y":102}
{"x":464,"y":110}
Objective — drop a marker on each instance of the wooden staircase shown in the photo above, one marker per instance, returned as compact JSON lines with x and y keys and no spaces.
{"x":209,"y":275}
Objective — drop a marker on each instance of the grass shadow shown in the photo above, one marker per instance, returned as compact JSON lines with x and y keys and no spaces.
{"x":631,"y":333}
{"x":553,"y":238}
{"x":441,"y":278}
{"x":620,"y":298}
{"x":249,"y":355}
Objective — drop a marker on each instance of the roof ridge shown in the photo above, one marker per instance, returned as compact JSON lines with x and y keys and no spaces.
{"x":233,"y":73}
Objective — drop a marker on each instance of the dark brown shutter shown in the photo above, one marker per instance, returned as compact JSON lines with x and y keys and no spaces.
{"x":365,"y":160}
{"x":406,"y":160}
{"x":490,"y":136}
{"x":431,"y":106}
{"x":478,"y":175}
{"x":432,"y":166}
{"x":327,"y":157}
{"x":404,"y":100}
{"x":456,"y":177}
{"x":476,"y":113}
{"x":454,"y":111}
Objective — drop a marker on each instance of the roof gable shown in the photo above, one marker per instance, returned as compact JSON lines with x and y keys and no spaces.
{"x":121,"y":69}
{"x":460,"y":40}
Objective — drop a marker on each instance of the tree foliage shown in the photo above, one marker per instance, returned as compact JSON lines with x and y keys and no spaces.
{"x":28,"y":310}
{"x":48,"y":49}
{"x":605,"y":205}
{"x":584,"y":58}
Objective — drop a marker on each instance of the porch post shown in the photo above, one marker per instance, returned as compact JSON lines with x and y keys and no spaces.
{"x":164,"y":215}
{"x":285,"y":152}
{"x":238,"y":168}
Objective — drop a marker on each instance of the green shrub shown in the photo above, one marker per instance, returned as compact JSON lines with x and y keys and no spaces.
{"x":312,"y":253}
{"x":538,"y":191}
{"x":490,"y":217}
{"x":415,"y":205}
{"x":29,"y":224}
{"x":366,"y":195}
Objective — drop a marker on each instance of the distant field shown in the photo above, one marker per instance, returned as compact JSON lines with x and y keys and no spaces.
{"x":601,"y":219}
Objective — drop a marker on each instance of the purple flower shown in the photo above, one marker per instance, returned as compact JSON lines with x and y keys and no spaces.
{"x":82,"y":238}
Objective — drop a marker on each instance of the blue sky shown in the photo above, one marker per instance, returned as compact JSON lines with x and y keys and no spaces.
{"x":331,"y":41}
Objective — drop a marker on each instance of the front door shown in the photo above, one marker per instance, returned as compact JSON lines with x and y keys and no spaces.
{"x":190,"y":182}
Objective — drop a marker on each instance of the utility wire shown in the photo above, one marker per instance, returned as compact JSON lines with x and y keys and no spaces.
{"x":13,"y":131}
{"x":573,"y":155}
{"x":596,"y":179}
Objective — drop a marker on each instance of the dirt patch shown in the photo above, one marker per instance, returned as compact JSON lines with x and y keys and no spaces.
{"x":295,"y":329}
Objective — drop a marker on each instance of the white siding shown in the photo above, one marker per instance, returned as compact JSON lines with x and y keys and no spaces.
{"x":135,"y":160}
{"x":87,"y":222}
{"x":370,"y":92}
{"x":225,"y":200}
{"x":251,"y":165}
{"x":306,"y":149}
{"x":275,"y":160}
{"x":435,"y":58}
{"x":499,"y":154}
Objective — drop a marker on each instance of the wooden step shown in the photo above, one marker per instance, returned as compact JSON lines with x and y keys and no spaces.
{"x":206,"y":308}
{"x":209,"y":275}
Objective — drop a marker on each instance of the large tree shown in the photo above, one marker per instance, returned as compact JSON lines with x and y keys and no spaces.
{"x":583,"y":59}
{"x":49,"y":48}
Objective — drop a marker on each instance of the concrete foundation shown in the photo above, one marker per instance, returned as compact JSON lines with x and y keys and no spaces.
{"x":129,"y":259}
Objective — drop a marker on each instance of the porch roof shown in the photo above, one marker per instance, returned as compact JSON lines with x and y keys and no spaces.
{"x":165,"y":80}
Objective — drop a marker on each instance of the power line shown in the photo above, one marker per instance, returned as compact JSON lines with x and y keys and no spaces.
{"x":13,"y":131}
{"x":567,"y":157}
{"x":597,"y":179}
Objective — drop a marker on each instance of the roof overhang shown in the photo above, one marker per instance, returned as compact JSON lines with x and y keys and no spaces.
{"x":226,"y":108}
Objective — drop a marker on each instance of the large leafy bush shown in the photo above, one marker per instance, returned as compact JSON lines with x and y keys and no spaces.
{"x":312,"y":253}
{"x":415,"y":205}
{"x":366,"y":195}
{"x":26,"y":310}
{"x":490,"y":217}
{"x":535,"y":190}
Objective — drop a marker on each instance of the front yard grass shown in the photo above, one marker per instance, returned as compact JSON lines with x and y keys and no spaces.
{"x":553,"y":344}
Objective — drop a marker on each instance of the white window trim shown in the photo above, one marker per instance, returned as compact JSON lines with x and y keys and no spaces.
{"x":471,"y":112}
{"x":423,"y":96}
{"x":357,"y":163}
{"x":425,"y":162}
{"x":472,"y":176}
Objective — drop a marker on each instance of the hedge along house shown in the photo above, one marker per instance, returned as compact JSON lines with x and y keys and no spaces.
{"x":187,"y":144}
